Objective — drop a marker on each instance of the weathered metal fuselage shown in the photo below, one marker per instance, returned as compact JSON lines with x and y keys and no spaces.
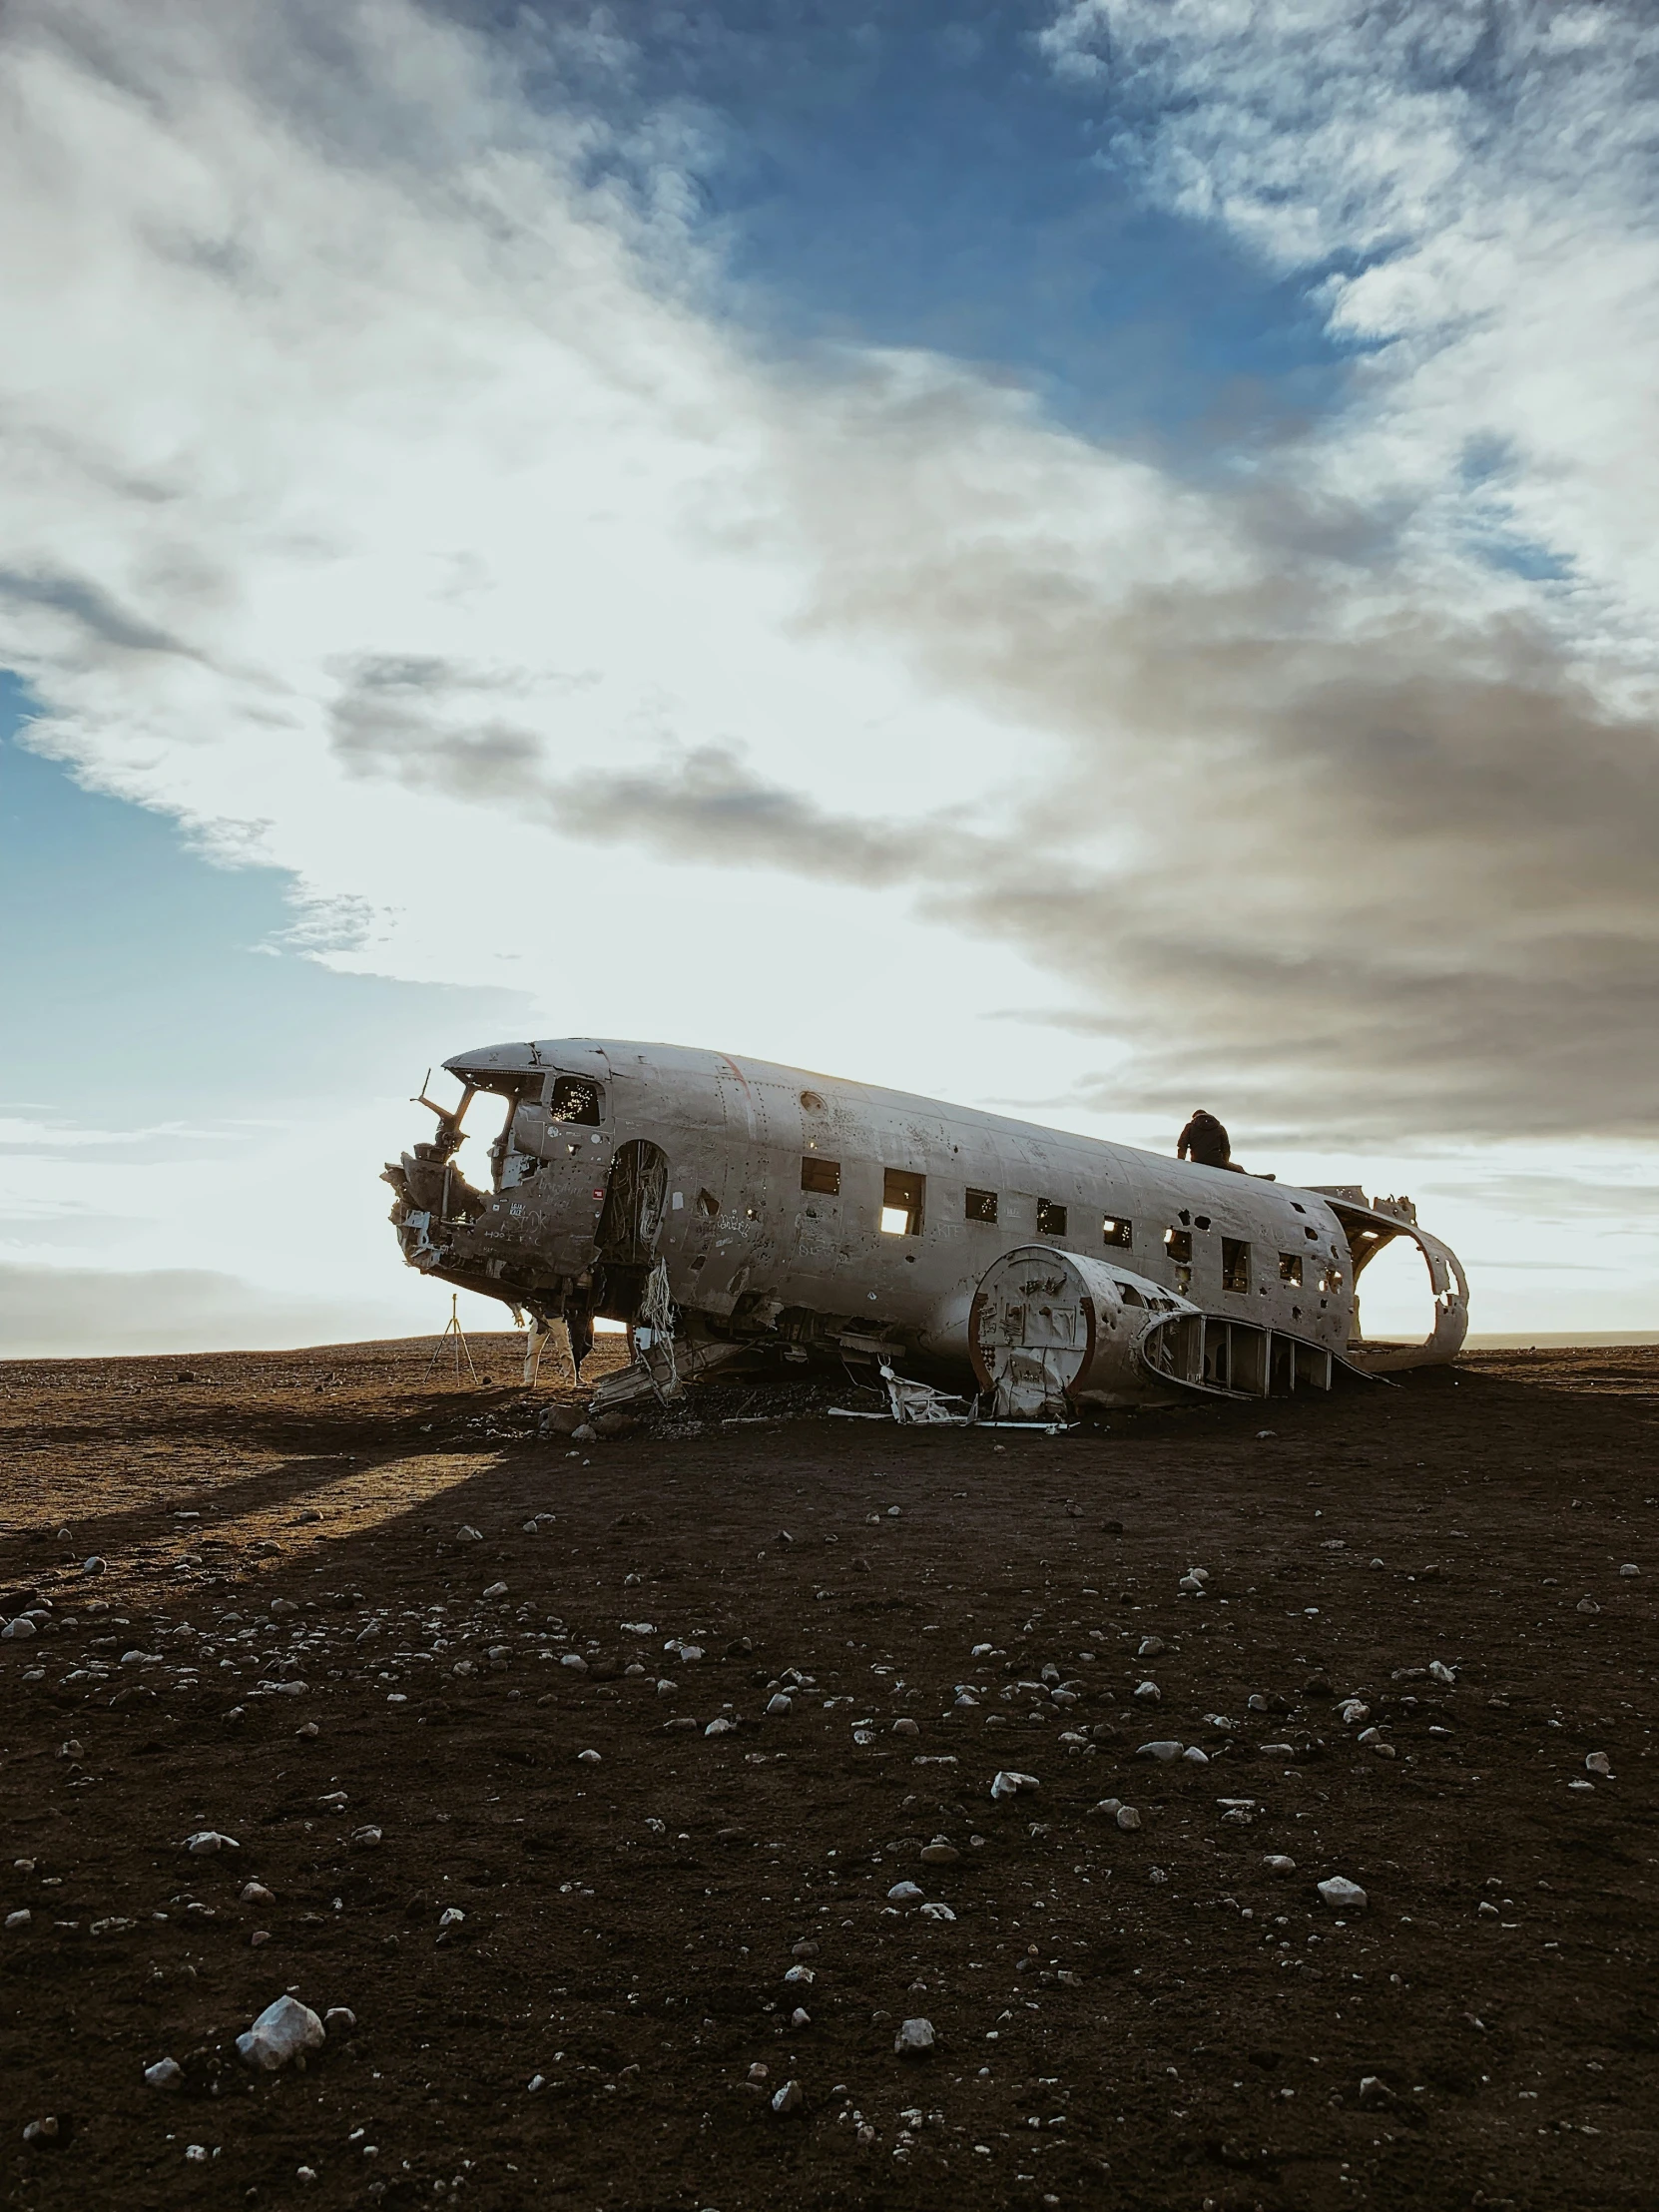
{"x":814,"y":1214}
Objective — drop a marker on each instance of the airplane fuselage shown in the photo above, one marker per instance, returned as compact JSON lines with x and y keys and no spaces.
{"x":827,"y":1214}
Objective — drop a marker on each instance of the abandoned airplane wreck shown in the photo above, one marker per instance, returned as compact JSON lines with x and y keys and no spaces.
{"x":730,"y":1211}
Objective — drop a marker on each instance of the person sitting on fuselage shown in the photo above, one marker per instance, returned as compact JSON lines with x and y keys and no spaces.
{"x":1205,"y":1142}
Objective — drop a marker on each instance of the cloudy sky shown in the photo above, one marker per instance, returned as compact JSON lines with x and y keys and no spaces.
{"x":1088,"y":558}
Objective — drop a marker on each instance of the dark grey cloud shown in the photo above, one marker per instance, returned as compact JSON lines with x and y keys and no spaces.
{"x":418,"y":720}
{"x":706,"y":804}
{"x":1391,"y":883}
{"x":90,"y":607}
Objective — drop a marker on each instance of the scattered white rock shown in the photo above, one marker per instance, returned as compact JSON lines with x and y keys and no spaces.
{"x":283,"y":2030}
{"x":797,"y":1974}
{"x":496,"y":1589}
{"x":1277,"y":1862}
{"x":1440,"y":1672}
{"x":574,"y":1660}
{"x":42,"y":2131}
{"x":915,"y":2038}
{"x":339,"y":2018}
{"x":256,"y":1892}
{"x":1107,"y":1805}
{"x":1599,"y":1763}
{"x":466,"y":1534}
{"x":1341,"y":1894}
{"x":282,"y":1608}
{"x":1006,"y":1784}
{"x":19,"y":1918}
{"x":1127,"y":1817}
{"x":801,"y":2017}
{"x":1150,"y":1647}
{"x":1630,"y":1567}
{"x":166,"y":2074}
{"x":1194,"y":1757}
{"x":780,"y":1704}
{"x":1584,"y":1605}
{"x":588,"y":1758}
{"x":789,"y":2098}
{"x":207,"y":1840}
{"x":905,"y":1727}
{"x":19,"y":1631}
{"x":366,"y":1838}
{"x":905,"y":1893}
{"x":719,"y":1726}
{"x":451,"y":1916}
{"x":1164,"y":1748}
{"x":94,"y":1565}
{"x":940,"y":1853}
{"x":1149,"y":1693}
{"x":1354,"y":1711}
{"x":938,"y":1912}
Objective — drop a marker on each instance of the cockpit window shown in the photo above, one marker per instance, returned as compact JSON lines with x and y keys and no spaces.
{"x":575,"y":1098}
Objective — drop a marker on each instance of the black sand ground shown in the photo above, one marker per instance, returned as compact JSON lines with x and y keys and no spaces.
{"x":1149,"y":2017}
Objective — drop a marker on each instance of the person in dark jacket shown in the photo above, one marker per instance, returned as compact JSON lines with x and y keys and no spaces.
{"x":1205,"y":1142}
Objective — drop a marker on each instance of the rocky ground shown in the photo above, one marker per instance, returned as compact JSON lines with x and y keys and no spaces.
{"x":634,"y":1796}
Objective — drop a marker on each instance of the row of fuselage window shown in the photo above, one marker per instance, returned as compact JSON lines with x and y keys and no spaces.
{"x":902,"y":1203}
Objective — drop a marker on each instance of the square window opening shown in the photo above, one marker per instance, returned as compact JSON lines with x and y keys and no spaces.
{"x":1179,"y":1245}
{"x":981,"y":1205}
{"x":1290,"y":1267}
{"x":1114,"y":1231}
{"x":1051,"y":1218}
{"x":820,"y":1174}
{"x":575,"y":1098}
{"x":1235,"y":1264}
{"x":902,"y":1202}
